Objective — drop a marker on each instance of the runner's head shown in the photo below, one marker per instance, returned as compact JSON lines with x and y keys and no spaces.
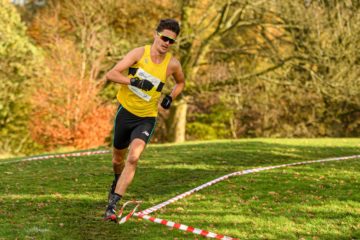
{"x":165,"y":34}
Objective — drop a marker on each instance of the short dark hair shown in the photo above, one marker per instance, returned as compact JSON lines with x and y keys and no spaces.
{"x":169,"y":24}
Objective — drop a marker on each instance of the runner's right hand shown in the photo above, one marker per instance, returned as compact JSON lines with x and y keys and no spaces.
{"x":142,"y":84}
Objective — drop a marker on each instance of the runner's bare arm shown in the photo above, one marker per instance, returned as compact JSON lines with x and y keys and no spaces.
{"x":179,"y":78}
{"x":115,"y":74}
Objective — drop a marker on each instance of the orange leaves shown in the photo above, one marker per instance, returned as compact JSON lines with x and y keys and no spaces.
{"x":67,"y":110}
{"x":94,"y":128}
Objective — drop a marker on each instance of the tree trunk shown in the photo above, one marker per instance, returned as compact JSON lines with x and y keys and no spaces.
{"x":190,"y":57}
{"x":176,"y":123}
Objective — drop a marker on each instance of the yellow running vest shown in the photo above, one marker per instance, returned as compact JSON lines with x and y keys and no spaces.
{"x":137,"y":101}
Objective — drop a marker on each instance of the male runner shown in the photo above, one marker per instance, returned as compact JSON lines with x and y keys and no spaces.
{"x":148,"y":68}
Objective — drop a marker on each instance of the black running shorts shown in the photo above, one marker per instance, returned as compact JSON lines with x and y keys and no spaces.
{"x":128,"y":126}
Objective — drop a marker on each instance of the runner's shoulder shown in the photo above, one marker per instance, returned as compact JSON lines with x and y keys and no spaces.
{"x":174,"y":63}
{"x":137,"y":53}
{"x":175,"y":66}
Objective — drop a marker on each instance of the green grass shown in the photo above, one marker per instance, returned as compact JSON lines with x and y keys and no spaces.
{"x":65,"y":198}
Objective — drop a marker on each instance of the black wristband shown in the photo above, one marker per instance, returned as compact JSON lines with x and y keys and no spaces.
{"x":166,"y":102}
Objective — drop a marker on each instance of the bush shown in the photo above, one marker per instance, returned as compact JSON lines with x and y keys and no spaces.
{"x":212,"y":125}
{"x":200,"y":131}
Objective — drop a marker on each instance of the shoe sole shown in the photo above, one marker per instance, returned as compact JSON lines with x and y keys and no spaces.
{"x":112,"y":218}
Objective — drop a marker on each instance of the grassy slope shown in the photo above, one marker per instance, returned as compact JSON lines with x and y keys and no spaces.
{"x":65,"y":198}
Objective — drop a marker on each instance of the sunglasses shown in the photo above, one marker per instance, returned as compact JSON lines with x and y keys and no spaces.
{"x":166,"y":38}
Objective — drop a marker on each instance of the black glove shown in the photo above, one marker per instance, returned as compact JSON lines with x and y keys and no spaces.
{"x":166,"y":102}
{"x":142,"y":84}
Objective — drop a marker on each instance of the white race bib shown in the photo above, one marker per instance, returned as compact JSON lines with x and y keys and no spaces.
{"x":144,"y":75}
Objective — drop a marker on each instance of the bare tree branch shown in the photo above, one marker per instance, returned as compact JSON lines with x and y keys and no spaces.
{"x":235,"y":80}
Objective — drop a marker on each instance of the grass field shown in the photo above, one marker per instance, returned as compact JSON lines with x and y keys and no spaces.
{"x":65,"y":198}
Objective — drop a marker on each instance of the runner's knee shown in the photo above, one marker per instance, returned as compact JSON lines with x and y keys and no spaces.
{"x":133,"y":159}
{"x":117,"y":158}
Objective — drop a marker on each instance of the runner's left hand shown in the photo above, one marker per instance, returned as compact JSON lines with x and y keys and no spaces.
{"x":166,"y":102}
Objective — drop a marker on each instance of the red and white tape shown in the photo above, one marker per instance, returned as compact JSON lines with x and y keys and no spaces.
{"x":167,"y":223}
{"x":63,"y":155}
{"x":124,"y":219}
{"x":144,"y":214}
{"x":180,"y":196}
{"x":184,"y":227}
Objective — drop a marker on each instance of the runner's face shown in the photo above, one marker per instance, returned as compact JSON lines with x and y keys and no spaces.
{"x":164,"y":46}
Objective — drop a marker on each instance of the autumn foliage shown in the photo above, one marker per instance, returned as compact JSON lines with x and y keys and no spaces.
{"x":67,"y":110}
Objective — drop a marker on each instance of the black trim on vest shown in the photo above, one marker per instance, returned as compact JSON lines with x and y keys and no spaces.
{"x":132,"y":71}
{"x":160,"y":87}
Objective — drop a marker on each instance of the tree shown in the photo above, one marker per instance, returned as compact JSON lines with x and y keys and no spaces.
{"x":98,"y":37}
{"x":192,"y":48}
{"x":67,"y":110}
{"x":20,"y":63}
{"x":329,"y":40}
{"x":307,"y":83}
{"x":203,"y":25}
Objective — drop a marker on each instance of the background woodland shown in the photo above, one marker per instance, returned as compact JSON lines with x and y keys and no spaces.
{"x":253,"y":69}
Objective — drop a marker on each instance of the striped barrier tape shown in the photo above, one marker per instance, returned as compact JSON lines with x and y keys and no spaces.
{"x":144,"y":214}
{"x":166,"y":222}
{"x":124,"y":219}
{"x":180,"y":196}
{"x":63,"y":155}
{"x":184,"y":227}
